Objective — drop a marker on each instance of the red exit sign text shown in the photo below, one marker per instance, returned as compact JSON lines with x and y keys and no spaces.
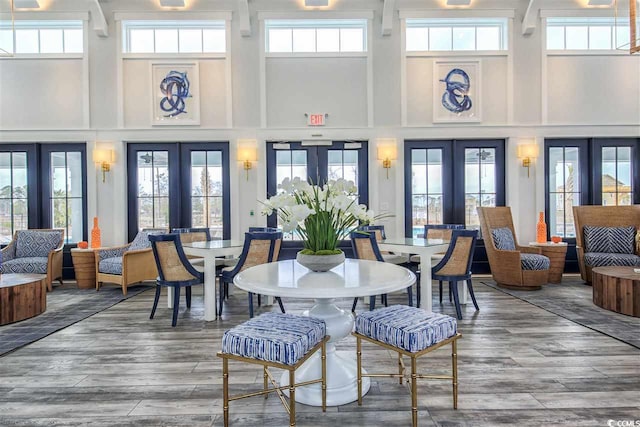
{"x":315,"y":120}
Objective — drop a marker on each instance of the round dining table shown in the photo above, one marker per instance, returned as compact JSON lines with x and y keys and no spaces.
{"x":354,"y":278}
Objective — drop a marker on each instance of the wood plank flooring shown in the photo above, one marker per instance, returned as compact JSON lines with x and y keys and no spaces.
{"x":519,"y":365}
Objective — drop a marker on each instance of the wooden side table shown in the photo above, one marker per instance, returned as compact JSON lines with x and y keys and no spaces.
{"x":557,"y":253}
{"x":84,"y":265}
{"x":22,"y":296}
{"x":617,"y":289}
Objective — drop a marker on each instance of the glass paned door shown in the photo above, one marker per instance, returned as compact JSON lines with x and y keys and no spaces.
{"x":14,"y":207}
{"x":153,"y":189}
{"x":205,"y":187}
{"x":319,"y":164}
{"x":479,"y":183}
{"x":616,"y":171}
{"x":564,"y":183}
{"x":427,"y":190}
{"x":617,"y":185}
{"x":66,"y":196}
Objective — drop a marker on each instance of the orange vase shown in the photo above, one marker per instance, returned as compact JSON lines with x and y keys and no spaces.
{"x":541,"y":229}
{"x":95,"y":234}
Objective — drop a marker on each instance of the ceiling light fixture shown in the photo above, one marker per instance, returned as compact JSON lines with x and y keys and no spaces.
{"x":458,"y":2}
{"x":172,"y":3}
{"x":316,"y":3}
{"x":26,"y":4}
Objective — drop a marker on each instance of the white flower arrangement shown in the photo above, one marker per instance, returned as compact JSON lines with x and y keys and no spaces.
{"x":322,"y":216}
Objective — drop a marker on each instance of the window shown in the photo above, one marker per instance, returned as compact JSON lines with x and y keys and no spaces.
{"x":42,"y":37}
{"x":179,"y":185}
{"x":585,"y":33}
{"x":174,"y":36}
{"x":456,"y":34}
{"x":43,"y":186}
{"x":317,"y":163}
{"x":316,"y":36}
{"x":446,"y":181}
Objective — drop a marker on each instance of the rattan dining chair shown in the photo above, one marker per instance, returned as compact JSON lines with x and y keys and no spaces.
{"x":190,"y":235}
{"x":390,"y":257}
{"x":365,"y":246}
{"x":456,"y":265}
{"x":259,"y":248}
{"x":174,"y":271}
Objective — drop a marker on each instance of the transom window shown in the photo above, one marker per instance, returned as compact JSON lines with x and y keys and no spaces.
{"x":316,"y":36}
{"x":174,"y":36}
{"x":456,"y":34}
{"x":586,"y":34}
{"x":42,"y":37}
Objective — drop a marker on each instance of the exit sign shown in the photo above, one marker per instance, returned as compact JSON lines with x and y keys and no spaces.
{"x":315,"y":120}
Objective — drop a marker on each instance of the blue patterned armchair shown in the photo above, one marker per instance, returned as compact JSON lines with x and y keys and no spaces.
{"x":35,"y":251}
{"x":128,"y":264}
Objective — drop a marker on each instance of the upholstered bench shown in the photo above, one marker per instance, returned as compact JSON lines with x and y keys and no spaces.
{"x":282,"y":341}
{"x":411,"y":332}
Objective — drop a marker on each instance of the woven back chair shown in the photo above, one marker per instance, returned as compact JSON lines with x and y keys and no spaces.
{"x":259,"y":248}
{"x":456,"y":265}
{"x":174,"y":270}
{"x":36,"y":250}
{"x":601,"y":216}
{"x":506,"y":265}
{"x":391,"y":257}
{"x":190,"y":235}
{"x":365,"y":246}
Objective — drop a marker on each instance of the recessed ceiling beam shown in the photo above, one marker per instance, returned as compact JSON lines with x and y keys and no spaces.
{"x":97,"y":17}
{"x":530,"y":20}
{"x":387,"y":16}
{"x":244,"y":19}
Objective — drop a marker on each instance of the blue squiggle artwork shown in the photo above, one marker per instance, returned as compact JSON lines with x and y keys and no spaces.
{"x":175,"y":88}
{"x":456,"y":98}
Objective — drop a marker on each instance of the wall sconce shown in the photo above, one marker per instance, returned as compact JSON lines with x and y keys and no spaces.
{"x":526,"y":152}
{"x":104,"y":157}
{"x":387,"y":151}
{"x":247,"y":154}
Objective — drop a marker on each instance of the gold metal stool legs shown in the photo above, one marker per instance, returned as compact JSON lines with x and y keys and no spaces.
{"x":454,"y":362}
{"x":225,"y":391}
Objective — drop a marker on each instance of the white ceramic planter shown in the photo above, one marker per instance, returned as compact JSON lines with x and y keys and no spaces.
{"x":320,"y":263}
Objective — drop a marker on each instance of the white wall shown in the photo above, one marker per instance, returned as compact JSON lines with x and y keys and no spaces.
{"x":559,"y":96}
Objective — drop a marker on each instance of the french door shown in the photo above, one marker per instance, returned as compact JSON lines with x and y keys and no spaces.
{"x":175,"y":185}
{"x":318,"y":164}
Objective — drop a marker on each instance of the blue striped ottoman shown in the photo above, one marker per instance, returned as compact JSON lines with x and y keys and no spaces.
{"x":411,"y":332}
{"x":274,"y":337}
{"x":409,"y":328}
{"x":276,"y":340}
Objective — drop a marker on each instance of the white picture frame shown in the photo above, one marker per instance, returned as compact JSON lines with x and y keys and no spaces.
{"x":171,"y":108}
{"x":458,"y":99}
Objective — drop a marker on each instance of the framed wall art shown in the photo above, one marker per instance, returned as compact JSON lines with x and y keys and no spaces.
{"x":456,"y":91}
{"x":175,"y":94}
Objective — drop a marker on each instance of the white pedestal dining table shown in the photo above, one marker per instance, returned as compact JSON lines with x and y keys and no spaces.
{"x":353,"y":278}
{"x":210,"y":251}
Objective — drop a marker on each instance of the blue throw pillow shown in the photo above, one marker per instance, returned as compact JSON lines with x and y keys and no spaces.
{"x":36,"y":243}
{"x":503,"y":239}
{"x":609,"y":240}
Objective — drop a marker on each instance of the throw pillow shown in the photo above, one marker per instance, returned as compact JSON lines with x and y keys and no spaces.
{"x":503,"y":239}
{"x":609,"y":240}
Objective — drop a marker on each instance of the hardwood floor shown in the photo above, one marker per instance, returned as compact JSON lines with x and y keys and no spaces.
{"x":518,"y":365}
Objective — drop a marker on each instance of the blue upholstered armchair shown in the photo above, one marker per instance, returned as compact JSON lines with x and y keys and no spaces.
{"x":128,"y":264}
{"x":36,"y":251}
